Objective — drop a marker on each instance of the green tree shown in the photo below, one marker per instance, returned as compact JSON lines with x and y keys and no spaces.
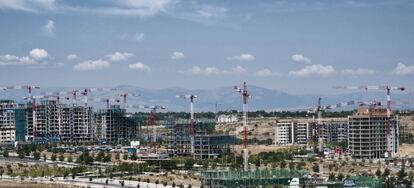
{"x":107,"y":158}
{"x":125,"y":157}
{"x":85,"y":158}
{"x":331,"y":177}
{"x":53,"y":157}
{"x":173,"y":184}
{"x":61,"y":157}
{"x":134,"y":156}
{"x":378,"y":173}
{"x":44,"y":157}
{"x":117,"y":156}
{"x":282,"y":164}
{"x":291,"y":165}
{"x":5,"y":153}
{"x":315,"y":168}
{"x":386,"y":173}
{"x":340,"y":177}
{"x":70,"y":158}
{"x":401,"y":173}
{"x":21,"y":154}
{"x":65,"y":174}
{"x":100,"y":156}
{"x":36,"y":155}
{"x":189,"y":163}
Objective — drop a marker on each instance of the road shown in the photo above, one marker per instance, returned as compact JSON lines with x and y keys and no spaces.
{"x":84,"y":182}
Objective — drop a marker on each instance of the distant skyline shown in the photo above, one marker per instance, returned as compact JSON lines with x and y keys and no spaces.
{"x":300,"y":47}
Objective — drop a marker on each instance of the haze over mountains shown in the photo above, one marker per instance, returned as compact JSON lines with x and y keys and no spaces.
{"x":226,"y":97}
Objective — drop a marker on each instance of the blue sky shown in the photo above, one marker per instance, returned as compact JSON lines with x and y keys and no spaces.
{"x":295,"y":46}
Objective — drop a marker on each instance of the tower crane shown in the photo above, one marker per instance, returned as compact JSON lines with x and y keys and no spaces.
{"x":191,"y":128}
{"x":245,"y":96}
{"x":85,"y":92}
{"x":124,"y":97}
{"x":107,"y":101}
{"x":153,"y":110}
{"x":319,"y":109}
{"x":28,"y":87}
{"x":387,"y":89}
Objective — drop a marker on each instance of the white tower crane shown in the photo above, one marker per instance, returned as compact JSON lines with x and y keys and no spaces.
{"x":191,"y":127}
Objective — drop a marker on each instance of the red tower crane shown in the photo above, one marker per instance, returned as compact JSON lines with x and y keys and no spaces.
{"x":124,"y":98}
{"x":85,"y":92}
{"x":153,"y":110}
{"x":245,"y":96}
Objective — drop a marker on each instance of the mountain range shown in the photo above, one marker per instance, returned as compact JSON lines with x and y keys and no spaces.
{"x":226,"y":98}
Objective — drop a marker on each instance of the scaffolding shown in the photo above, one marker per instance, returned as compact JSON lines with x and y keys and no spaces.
{"x":206,"y":144}
{"x":238,"y":178}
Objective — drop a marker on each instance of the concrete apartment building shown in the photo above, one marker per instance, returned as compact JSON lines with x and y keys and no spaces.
{"x":50,"y":121}
{"x":368,"y":134}
{"x":77,"y":125}
{"x":114,"y":126}
{"x":306,"y":131}
{"x":333,"y":130}
{"x":292,"y":132}
{"x":7,"y":121}
{"x":206,"y":144}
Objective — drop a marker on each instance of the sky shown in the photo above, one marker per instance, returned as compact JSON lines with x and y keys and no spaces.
{"x":300,"y":47}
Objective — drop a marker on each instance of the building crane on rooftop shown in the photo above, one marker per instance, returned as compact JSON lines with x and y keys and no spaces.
{"x":387,"y":89}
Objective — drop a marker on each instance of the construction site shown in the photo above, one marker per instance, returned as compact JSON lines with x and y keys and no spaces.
{"x":369,"y":133}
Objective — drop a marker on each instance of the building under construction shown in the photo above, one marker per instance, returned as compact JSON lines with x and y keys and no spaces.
{"x":369,"y":134}
{"x":7,"y":121}
{"x":114,"y":126}
{"x":206,"y":144}
{"x":50,"y":121}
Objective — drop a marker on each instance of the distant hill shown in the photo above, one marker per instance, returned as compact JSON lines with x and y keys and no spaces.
{"x":261,"y":98}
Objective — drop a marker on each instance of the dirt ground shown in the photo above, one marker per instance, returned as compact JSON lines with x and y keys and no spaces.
{"x":12,"y":184}
{"x":407,"y":150}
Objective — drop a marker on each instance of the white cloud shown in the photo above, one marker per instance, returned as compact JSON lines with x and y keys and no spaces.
{"x":140,"y":67}
{"x":358,"y":72}
{"x":196,"y":70}
{"x":142,"y":8}
{"x":238,"y":70}
{"x":212,"y":12}
{"x":15,"y":60}
{"x":49,"y":28}
{"x":242,"y":57}
{"x":28,"y":5}
{"x":139,"y":37}
{"x":119,"y":56}
{"x":266,"y":73}
{"x":35,"y":55}
{"x":91,"y":65}
{"x":177,"y":55}
{"x":72,"y":56}
{"x":211,"y":70}
{"x":38,"y":53}
{"x":300,"y":58}
{"x":314,"y":70}
{"x":402,"y":69}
